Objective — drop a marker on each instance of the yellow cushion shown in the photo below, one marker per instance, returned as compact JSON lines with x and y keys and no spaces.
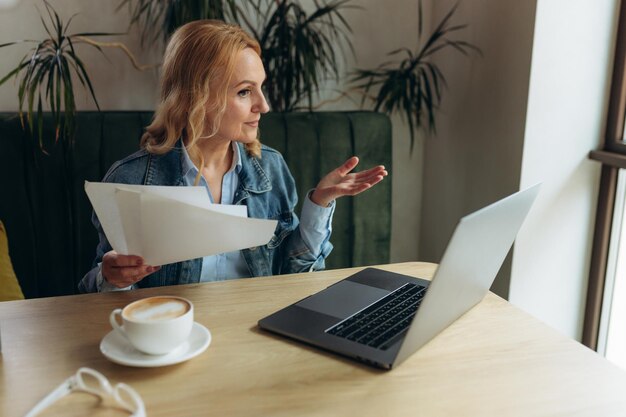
{"x":9,"y":286}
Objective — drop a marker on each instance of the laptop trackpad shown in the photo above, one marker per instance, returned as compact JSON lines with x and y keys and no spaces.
{"x":343,"y":299}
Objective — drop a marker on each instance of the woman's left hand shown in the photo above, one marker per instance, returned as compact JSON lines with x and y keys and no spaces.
{"x":340,"y":182}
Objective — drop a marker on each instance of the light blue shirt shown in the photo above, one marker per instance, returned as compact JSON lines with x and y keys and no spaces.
{"x":315,"y":222}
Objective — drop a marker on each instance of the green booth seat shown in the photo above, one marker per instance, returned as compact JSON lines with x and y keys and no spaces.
{"x":48,"y":216}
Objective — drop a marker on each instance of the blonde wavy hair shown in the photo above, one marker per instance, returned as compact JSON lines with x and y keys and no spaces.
{"x":197,"y":69}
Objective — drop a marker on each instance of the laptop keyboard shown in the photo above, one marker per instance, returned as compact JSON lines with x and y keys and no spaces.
{"x":382,"y":323}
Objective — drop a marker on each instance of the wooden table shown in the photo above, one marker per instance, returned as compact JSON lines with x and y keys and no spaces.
{"x":494,"y":361}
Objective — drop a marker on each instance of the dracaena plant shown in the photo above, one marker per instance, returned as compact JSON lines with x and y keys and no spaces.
{"x":158,"y":19}
{"x":47,"y":75}
{"x":414,"y":85}
{"x":299,"y":49}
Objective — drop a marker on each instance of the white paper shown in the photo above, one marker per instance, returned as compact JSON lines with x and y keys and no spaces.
{"x":103,"y":200}
{"x":129,"y":209}
{"x":170,"y":224}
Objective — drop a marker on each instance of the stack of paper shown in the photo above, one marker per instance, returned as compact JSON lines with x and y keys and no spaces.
{"x":166,"y":224}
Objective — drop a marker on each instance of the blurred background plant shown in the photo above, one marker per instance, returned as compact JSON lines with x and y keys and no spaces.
{"x":158,"y":19}
{"x":414,"y":85}
{"x":301,"y":47}
{"x":300,"y":50}
{"x":45,"y":75}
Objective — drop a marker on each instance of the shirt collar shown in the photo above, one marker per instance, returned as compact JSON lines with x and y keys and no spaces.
{"x":189,"y":166}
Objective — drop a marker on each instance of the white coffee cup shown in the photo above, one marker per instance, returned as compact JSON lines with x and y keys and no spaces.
{"x":155,"y":325}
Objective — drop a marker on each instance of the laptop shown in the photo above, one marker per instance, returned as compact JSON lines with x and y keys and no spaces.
{"x":381,"y":318}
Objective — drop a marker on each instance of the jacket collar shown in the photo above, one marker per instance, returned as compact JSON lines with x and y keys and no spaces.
{"x":167,"y":169}
{"x":252,"y":177}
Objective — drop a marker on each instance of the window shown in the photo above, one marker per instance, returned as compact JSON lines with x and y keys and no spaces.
{"x":606,"y":295}
{"x":612,"y":327}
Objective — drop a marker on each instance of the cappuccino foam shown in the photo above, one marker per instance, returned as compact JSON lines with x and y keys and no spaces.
{"x":156,"y":309}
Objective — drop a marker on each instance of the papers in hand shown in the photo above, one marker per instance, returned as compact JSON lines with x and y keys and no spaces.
{"x":166,"y":224}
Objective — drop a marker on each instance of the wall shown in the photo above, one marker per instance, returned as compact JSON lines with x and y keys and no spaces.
{"x":529,"y":111}
{"x":568,"y":95}
{"x":476,"y":157}
{"x":120,"y":87}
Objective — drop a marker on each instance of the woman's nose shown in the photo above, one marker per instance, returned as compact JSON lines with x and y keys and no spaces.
{"x":262,"y":106}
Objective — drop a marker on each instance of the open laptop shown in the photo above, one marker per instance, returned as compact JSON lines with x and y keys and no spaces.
{"x":381,"y":318}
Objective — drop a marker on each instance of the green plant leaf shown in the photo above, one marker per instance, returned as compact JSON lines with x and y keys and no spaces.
{"x":159,"y":18}
{"x":33,"y":88}
{"x":299,"y":49}
{"x":45,"y":74}
{"x":96,"y":34}
{"x":414,"y":86}
{"x":85,"y":76}
{"x":40,"y":121}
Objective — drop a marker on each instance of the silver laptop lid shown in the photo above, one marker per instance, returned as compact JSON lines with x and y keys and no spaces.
{"x":469,"y":265}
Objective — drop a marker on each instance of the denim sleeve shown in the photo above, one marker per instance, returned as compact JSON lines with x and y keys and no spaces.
{"x":298,"y":257}
{"x":304,"y":246}
{"x":316,"y":224}
{"x":89,"y":283}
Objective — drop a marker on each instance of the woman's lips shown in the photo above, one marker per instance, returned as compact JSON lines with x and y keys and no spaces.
{"x":253,"y":124}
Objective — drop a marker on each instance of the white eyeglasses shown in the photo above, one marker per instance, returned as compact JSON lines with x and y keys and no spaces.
{"x":93,"y":382}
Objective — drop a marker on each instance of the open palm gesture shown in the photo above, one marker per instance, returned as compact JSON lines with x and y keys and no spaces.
{"x":340,"y":182}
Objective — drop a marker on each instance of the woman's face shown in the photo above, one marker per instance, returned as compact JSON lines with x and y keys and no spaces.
{"x":245,"y":102}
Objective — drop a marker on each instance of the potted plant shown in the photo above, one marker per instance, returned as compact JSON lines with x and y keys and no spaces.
{"x":158,"y":19}
{"x":414,"y":85}
{"x":46,"y":75}
{"x":299,"y":49}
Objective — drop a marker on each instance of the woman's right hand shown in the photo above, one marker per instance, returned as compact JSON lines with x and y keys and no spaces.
{"x":124,"y":270}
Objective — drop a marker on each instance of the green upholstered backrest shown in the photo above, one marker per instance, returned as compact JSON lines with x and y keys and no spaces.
{"x":48,"y":216}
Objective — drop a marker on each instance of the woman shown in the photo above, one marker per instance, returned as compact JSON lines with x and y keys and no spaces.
{"x":204,"y":132}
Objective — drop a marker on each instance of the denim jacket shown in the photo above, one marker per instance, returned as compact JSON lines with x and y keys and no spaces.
{"x":265,"y":186}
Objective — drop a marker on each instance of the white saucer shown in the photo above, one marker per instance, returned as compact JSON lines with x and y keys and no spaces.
{"x":117,"y":349}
